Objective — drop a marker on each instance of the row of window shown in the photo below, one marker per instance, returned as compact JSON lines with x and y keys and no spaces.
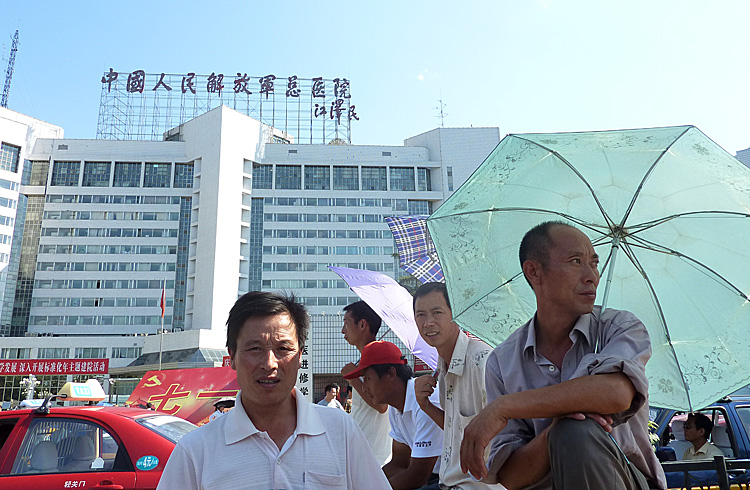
{"x":126,"y":174}
{"x":290,"y":250}
{"x":304,"y":284}
{"x":9,"y":155}
{"x":323,"y":267}
{"x":326,"y":301}
{"x":368,"y":234}
{"x":112,"y":215}
{"x":9,"y":184}
{"x":102,"y":284}
{"x":106,"y":266}
{"x":318,"y":177}
{"x":99,"y":302}
{"x":7,"y":220}
{"x":110,"y":199}
{"x":133,"y":320}
{"x":8,"y":203}
{"x":5,"y":239}
{"x":394,"y":204}
{"x":109,"y":249}
{"x":112,"y":232}
{"x":323,"y":218}
{"x":64,"y":353}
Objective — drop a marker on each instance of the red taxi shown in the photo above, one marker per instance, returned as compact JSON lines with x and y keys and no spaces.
{"x":89,"y":447}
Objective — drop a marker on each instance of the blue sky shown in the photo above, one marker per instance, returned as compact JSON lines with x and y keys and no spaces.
{"x":524,"y":66}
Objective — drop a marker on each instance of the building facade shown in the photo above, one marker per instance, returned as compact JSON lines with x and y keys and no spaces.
{"x":222,"y":206}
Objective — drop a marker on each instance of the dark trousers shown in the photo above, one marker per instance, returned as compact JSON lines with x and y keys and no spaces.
{"x":583,"y":456}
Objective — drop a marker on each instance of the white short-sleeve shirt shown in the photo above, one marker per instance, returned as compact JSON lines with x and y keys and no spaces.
{"x":326,"y":450}
{"x":415,"y":428}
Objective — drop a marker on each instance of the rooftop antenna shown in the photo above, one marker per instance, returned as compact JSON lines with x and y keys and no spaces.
{"x":442,"y":114}
{"x":9,"y":70}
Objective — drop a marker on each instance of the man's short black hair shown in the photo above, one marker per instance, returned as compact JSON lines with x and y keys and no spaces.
{"x":702,"y":421}
{"x":256,"y":304}
{"x":428,"y":288}
{"x":362,"y":311}
{"x":403,"y":371}
{"x":331,"y":386}
{"x":536,"y":243}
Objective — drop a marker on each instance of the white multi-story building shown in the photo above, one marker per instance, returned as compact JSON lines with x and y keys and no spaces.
{"x":222,"y":206}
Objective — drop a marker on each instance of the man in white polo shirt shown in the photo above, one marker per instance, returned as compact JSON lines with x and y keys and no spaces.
{"x":417,"y":440}
{"x":274,"y":438}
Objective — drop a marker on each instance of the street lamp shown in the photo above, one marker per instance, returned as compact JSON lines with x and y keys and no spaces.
{"x":29,"y":383}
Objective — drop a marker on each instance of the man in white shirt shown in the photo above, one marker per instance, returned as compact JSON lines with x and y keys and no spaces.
{"x":330,"y":400}
{"x":697,"y":429}
{"x":361,"y":325}
{"x":417,"y":440}
{"x":258,"y":444}
{"x":461,"y":365}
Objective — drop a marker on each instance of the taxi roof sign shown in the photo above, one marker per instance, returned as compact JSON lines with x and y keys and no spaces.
{"x":90,"y":391}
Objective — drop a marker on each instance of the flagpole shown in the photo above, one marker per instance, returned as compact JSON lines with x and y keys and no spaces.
{"x":161,"y":331}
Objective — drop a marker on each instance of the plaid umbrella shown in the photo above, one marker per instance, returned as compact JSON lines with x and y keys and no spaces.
{"x":416,"y":252}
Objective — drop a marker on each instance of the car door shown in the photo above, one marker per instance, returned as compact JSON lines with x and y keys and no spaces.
{"x":66,"y":452}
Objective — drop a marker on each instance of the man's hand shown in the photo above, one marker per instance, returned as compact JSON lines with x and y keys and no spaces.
{"x":424,"y":386}
{"x":604,"y":420}
{"x":348,"y":368}
{"x":477,"y":436}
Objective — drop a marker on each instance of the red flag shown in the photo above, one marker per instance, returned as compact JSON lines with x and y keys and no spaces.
{"x":162,"y":300}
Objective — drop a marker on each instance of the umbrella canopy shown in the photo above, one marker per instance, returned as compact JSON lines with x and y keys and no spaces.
{"x":668,"y":212}
{"x":416,"y":252}
{"x":393,"y":303}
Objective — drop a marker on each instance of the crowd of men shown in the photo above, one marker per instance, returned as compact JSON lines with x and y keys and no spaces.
{"x":562,"y":403}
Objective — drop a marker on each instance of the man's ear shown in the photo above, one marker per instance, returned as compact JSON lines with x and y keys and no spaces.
{"x":362,"y":325}
{"x":532,"y":270}
{"x":231,"y":358}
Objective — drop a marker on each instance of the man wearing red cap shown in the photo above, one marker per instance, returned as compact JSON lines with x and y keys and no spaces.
{"x":417,"y":440}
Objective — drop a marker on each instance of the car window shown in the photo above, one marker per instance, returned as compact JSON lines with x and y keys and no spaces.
{"x":744,"y":413}
{"x":6,"y":427}
{"x":172,"y":428}
{"x":721,"y":435}
{"x":61,"y":445}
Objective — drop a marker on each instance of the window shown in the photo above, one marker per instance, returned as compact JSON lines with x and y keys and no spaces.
{"x":62,"y":445}
{"x":96,"y":174}
{"x":157,"y":175}
{"x":288,"y":177}
{"x":53,"y":353}
{"x":423,"y":179}
{"x":127,"y":174}
{"x":65,"y":173}
{"x":39,"y":171}
{"x":419,"y":208}
{"x":402,"y":179}
{"x":449,"y":173}
{"x":317,"y":177}
{"x":262,"y":176}
{"x":9,"y":157}
{"x":90,"y":352}
{"x":15,"y":353}
{"x":183,"y":175}
{"x":126,"y":352}
{"x":346,"y":178}
{"x":374,"y":179}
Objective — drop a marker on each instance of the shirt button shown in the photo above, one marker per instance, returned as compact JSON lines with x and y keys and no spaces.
{"x":552,"y":369}
{"x":278,"y":461}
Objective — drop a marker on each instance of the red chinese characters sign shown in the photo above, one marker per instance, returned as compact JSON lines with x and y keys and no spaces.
{"x":15,"y":367}
{"x":186,"y":393}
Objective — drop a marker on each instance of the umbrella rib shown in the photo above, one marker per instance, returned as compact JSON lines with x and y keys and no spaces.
{"x":648,"y":174}
{"x":655,"y":298}
{"x":609,"y":221}
{"x":655,"y":247}
{"x":650,"y":224}
{"x":487,"y":294}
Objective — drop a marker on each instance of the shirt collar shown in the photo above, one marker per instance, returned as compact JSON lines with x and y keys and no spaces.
{"x":239,"y":426}
{"x":410,"y":402}
{"x":583,"y":327}
{"x":458,"y":359}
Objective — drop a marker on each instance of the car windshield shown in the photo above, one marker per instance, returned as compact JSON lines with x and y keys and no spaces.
{"x":172,"y":428}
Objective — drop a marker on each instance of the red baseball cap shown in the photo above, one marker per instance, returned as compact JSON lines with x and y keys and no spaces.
{"x":378,"y":352}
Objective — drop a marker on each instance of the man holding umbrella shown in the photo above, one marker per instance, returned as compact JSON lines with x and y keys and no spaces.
{"x":567,"y":392}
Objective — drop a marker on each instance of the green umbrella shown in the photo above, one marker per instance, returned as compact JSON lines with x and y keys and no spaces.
{"x":668,"y":212}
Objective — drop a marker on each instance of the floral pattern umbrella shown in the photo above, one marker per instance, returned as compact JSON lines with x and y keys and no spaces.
{"x":668,"y":212}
